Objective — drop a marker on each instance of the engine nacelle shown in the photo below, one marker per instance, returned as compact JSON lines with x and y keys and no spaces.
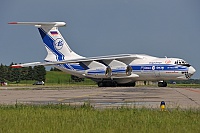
{"x":121,"y":71}
{"x":99,"y":72}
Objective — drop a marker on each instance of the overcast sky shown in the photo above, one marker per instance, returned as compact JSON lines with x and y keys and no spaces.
{"x":103,"y":27}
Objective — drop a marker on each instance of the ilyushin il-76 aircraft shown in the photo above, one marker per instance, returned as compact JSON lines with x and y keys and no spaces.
{"x":111,"y":70}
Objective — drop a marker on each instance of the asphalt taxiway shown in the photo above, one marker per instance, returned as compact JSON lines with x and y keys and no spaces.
{"x":149,"y":97}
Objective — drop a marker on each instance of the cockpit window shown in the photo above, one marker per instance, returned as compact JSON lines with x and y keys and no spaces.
{"x":182,"y":62}
{"x":188,"y":65}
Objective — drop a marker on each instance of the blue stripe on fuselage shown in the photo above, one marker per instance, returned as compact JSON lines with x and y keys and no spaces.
{"x":159,"y":67}
{"x":143,"y":67}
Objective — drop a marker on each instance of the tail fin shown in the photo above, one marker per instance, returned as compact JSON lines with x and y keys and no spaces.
{"x":57,"y":48}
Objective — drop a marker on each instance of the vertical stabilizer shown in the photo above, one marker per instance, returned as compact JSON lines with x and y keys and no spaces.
{"x":56,"y":46}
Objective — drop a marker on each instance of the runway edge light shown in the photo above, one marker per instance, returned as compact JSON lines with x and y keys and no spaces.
{"x":162,"y":105}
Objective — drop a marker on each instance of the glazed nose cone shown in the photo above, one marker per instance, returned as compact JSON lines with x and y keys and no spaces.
{"x":191,"y":70}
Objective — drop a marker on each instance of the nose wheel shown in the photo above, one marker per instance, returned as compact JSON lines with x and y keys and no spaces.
{"x":162,"y":84}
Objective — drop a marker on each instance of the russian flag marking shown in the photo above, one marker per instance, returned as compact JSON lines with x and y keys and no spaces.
{"x":54,"y":33}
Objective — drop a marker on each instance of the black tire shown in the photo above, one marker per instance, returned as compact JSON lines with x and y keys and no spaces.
{"x":133,"y":84}
{"x":114,"y":84}
{"x":162,"y":84}
{"x":100,"y":84}
{"x":165,"y":84}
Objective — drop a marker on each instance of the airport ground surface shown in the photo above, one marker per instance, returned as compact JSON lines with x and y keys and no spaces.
{"x":109,"y":97}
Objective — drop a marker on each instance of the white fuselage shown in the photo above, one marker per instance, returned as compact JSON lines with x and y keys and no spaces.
{"x":146,"y":69}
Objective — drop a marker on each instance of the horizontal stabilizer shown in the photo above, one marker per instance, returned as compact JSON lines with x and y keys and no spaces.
{"x":39,"y":24}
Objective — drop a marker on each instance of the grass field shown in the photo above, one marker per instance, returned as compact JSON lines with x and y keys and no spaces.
{"x":68,"y":119}
{"x":85,"y":119}
{"x":58,"y":77}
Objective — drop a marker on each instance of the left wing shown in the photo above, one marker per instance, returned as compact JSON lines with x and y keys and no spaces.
{"x":126,"y":58}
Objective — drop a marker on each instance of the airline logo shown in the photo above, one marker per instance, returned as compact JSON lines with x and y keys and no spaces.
{"x":58,"y":43}
{"x":167,"y":61}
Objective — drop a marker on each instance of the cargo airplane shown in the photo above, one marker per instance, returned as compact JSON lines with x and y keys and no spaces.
{"x":111,"y":70}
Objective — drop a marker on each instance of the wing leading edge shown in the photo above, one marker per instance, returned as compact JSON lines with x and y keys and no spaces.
{"x":121,"y":57}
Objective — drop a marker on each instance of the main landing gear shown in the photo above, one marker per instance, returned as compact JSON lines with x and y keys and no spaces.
{"x":107,"y":84}
{"x":162,"y":84}
{"x":114,"y":84}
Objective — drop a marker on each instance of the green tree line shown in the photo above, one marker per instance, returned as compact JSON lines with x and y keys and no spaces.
{"x":7,"y":73}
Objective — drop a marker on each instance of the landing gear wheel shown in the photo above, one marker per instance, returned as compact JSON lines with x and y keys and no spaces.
{"x":107,"y":84}
{"x":100,"y":84}
{"x":114,"y":84}
{"x":133,"y":84}
{"x":165,"y":84}
{"x":162,"y":84}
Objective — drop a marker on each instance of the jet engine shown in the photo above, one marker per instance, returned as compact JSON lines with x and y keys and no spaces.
{"x":99,"y":72}
{"x":121,"y":71}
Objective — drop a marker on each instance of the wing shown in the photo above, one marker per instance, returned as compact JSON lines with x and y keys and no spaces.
{"x":125,"y":58}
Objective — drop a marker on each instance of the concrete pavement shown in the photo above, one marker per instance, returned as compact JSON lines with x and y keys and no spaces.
{"x":108,"y":97}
